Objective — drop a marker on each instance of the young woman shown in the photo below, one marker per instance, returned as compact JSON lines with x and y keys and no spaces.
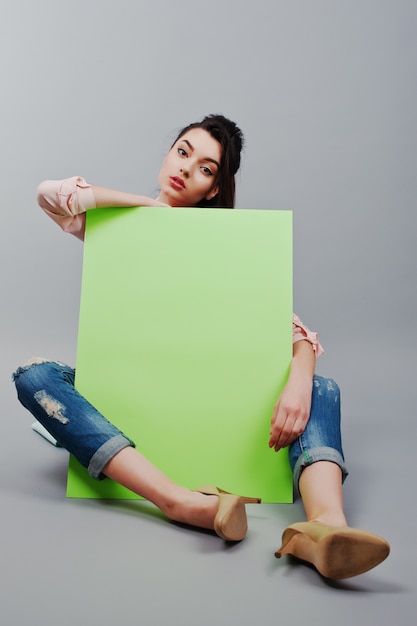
{"x":199,"y":170}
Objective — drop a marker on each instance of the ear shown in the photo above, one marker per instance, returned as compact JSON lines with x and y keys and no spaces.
{"x":212,"y":193}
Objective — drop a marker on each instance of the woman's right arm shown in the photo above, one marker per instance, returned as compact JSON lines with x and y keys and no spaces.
{"x":66,"y":201}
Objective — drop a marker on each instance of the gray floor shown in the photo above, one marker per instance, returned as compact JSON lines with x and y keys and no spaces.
{"x":73,"y":561}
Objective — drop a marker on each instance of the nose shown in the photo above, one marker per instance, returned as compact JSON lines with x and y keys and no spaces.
{"x":185,"y":171}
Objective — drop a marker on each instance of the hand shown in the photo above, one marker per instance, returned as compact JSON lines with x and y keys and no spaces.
{"x":291,"y":412}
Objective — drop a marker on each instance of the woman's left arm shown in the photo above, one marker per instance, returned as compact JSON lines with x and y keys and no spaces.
{"x":292,"y":410}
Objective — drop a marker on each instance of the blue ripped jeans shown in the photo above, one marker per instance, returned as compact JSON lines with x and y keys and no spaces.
{"x":46,"y":389}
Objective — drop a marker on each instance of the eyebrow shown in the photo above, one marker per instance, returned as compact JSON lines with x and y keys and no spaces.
{"x":205,"y":158}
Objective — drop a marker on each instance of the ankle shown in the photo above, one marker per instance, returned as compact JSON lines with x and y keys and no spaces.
{"x":330,"y":519}
{"x":191,"y":507}
{"x":171,"y":503}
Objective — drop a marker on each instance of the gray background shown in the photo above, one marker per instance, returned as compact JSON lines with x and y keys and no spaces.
{"x":325,"y":91}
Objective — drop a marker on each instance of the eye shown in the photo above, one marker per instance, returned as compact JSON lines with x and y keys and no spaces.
{"x":206,"y":170}
{"x":182,"y":152}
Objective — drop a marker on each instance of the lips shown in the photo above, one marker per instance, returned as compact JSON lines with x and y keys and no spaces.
{"x":177,"y":183}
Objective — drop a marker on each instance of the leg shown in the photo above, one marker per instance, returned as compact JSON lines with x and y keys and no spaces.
{"x":317,"y":460}
{"x":320,"y":486}
{"x":317,"y":457}
{"x":320,"y":442}
{"x":46,"y":389}
{"x":132,"y":470}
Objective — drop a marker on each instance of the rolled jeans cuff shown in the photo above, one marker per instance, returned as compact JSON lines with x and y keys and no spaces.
{"x":313,"y":455}
{"x":105,"y":453}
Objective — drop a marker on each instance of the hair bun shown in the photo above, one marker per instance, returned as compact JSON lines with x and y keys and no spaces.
{"x":236,"y":139}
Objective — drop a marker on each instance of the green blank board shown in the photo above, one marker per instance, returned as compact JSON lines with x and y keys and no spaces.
{"x":185,"y":341}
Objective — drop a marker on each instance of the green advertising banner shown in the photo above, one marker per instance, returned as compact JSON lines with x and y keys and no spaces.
{"x":185,"y":341}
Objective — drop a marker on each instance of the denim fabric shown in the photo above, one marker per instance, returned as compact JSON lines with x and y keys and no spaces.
{"x":321,"y":439}
{"x":46,"y":389}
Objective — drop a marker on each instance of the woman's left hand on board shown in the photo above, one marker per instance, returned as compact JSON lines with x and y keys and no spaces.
{"x":291,"y":413}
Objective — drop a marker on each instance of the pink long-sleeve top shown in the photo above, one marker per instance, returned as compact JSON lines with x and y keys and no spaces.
{"x":66,"y":202}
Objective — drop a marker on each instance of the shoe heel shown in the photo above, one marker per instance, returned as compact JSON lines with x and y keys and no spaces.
{"x":230,"y":522}
{"x":287,"y":545}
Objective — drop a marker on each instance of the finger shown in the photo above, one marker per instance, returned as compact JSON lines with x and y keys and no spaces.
{"x":276,"y":425}
{"x":279,"y":431}
{"x":286,"y":435}
{"x":296,"y":431}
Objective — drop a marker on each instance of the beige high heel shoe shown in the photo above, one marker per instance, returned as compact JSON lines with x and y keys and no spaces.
{"x":230,"y":522}
{"x":335,"y":551}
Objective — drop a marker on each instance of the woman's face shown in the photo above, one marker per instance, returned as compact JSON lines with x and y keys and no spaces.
{"x":189,"y":171}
